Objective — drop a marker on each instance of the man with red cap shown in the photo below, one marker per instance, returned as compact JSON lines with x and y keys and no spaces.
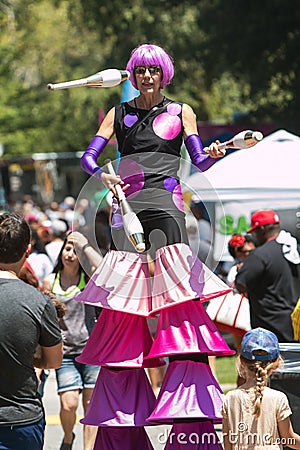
{"x":270,"y":276}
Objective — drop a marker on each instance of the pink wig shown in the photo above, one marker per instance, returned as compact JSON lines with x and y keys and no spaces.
{"x":151,"y":55}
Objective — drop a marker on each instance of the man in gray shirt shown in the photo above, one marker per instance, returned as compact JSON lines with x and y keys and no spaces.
{"x":27,"y":319}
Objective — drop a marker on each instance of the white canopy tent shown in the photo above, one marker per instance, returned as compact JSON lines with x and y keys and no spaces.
{"x":268,"y":167}
{"x":264,"y":176}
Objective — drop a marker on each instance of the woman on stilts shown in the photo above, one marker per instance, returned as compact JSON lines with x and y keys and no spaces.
{"x":150,"y":130}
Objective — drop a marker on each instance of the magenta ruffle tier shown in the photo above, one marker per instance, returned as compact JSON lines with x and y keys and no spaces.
{"x":187,"y":328}
{"x":180,"y":276}
{"x":122,"y":281}
{"x":122,"y":438}
{"x":193,"y":436}
{"x":119,"y":339}
{"x":189,"y":391}
{"x":121,"y":398}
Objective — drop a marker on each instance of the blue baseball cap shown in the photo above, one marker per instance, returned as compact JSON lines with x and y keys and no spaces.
{"x":260,"y":345}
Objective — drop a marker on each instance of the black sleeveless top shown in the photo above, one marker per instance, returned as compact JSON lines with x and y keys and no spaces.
{"x":149,"y":143}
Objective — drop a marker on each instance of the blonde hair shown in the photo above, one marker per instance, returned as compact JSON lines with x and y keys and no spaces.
{"x":261,"y":370}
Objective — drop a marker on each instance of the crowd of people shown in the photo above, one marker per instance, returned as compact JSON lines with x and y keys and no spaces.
{"x":78,"y":299}
{"x":52,"y":266}
{"x":265,"y":268}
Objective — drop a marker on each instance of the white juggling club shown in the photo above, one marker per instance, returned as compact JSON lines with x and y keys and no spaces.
{"x":132,"y":225}
{"x":244,"y":139}
{"x":104,"y":78}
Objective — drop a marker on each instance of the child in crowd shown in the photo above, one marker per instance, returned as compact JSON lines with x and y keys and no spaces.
{"x":254,"y":415}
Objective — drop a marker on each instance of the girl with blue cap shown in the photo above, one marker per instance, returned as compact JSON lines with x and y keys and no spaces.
{"x":254,"y":415}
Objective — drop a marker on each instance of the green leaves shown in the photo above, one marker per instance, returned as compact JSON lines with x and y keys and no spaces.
{"x":229,"y":57}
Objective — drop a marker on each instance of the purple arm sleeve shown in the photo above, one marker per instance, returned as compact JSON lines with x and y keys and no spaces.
{"x":88,"y":160}
{"x":198,"y":157}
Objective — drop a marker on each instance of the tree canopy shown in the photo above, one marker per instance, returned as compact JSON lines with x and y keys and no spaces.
{"x":230,"y":57}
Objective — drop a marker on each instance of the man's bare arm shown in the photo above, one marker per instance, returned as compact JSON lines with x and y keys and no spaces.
{"x":48,"y":357}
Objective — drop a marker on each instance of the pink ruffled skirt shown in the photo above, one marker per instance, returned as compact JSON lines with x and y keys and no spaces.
{"x":119,"y":340}
{"x":122,"y":281}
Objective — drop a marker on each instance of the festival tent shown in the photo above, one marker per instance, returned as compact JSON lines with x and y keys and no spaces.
{"x":264,"y":176}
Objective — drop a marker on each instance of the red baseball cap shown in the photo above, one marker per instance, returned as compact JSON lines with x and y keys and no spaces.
{"x":263,"y":217}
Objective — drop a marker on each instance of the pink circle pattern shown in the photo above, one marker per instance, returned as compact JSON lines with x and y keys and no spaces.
{"x":132,"y":173}
{"x":166,"y":126}
{"x":177,"y":198}
{"x":174,"y":109}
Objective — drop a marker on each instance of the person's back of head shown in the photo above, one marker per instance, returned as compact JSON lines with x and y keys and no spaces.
{"x":15,"y":237}
{"x":59,"y":228}
{"x":265,"y":224}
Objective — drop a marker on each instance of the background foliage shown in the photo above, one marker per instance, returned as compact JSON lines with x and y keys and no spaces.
{"x":230,"y":57}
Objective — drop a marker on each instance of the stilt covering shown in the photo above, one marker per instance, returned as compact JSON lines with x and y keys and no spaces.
{"x":125,"y":438}
{"x":121,"y":282}
{"x":189,"y":391}
{"x":187,"y":329}
{"x":123,"y":401}
{"x":180,"y":276}
{"x":193,"y":435}
{"x":119,"y":340}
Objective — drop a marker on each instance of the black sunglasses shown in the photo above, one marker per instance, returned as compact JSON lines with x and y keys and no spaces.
{"x":141,"y":70}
